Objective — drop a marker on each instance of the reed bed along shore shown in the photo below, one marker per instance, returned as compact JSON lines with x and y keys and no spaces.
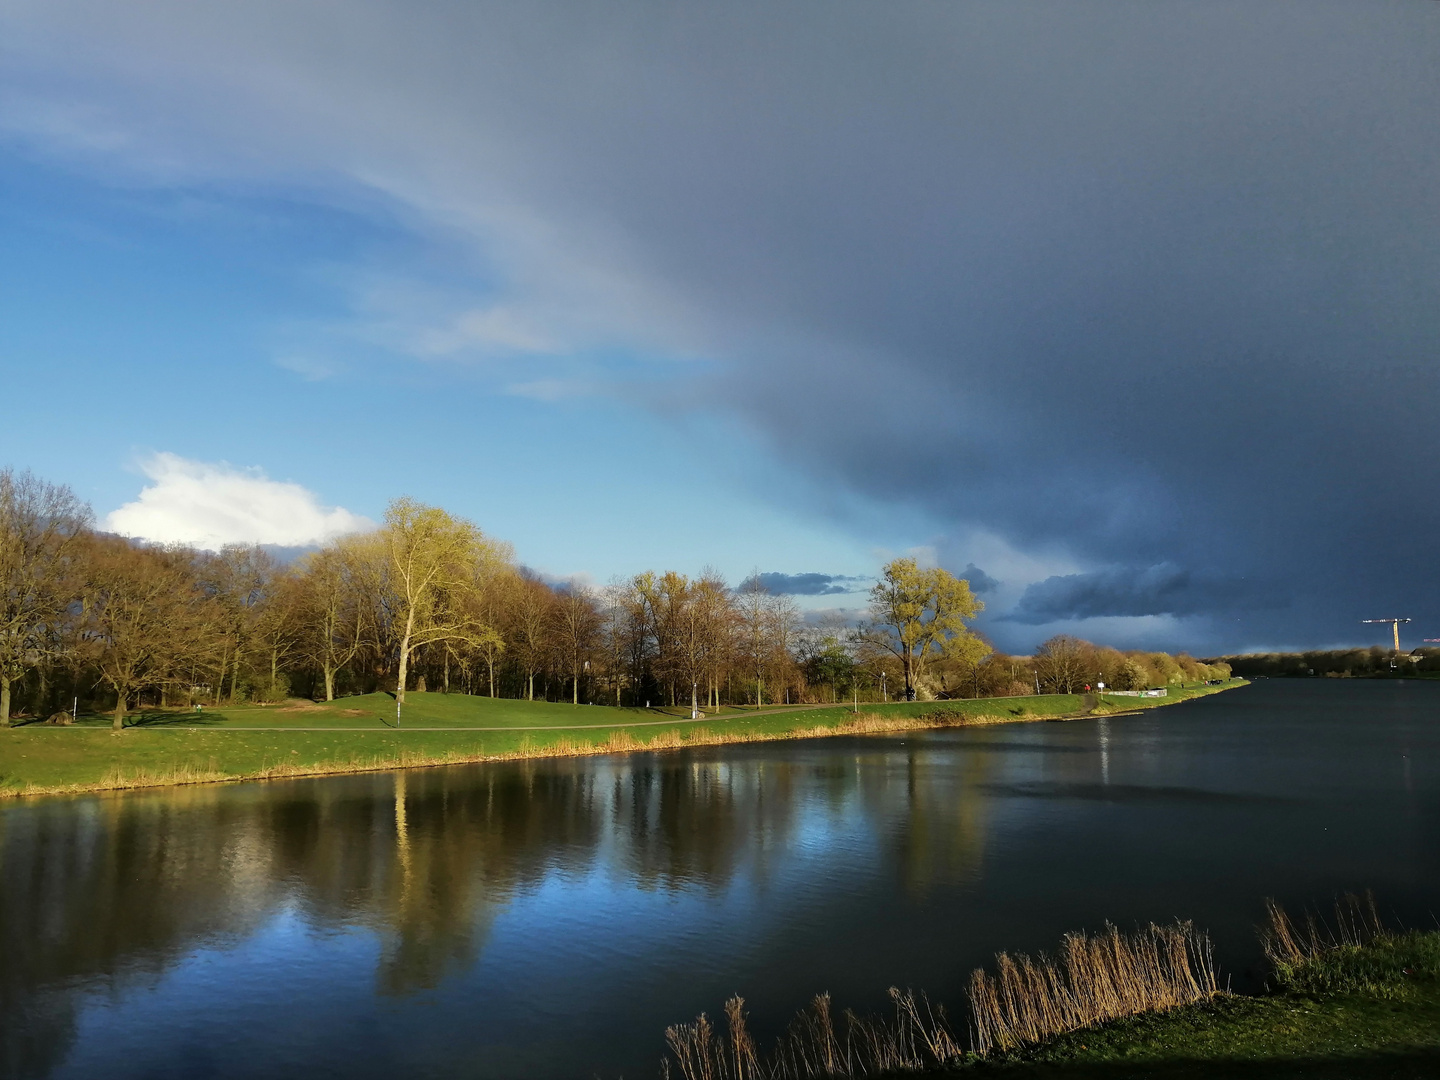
{"x":1334,"y":978}
{"x":617,"y":741}
{"x":1091,"y":979}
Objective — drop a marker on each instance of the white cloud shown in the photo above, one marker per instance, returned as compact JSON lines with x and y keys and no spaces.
{"x":210,"y":505}
{"x":551,"y":389}
{"x":310,"y":368}
{"x":494,"y":329}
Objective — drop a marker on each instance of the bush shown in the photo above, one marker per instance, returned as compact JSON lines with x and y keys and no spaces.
{"x":268,"y":691}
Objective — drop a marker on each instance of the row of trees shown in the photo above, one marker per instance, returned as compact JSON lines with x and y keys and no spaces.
{"x":1372,"y":663}
{"x":429,"y":602}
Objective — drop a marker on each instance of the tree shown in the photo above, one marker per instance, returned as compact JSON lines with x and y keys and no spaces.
{"x":432,"y":558}
{"x":41,"y":526}
{"x":782,"y":625}
{"x":616,"y":630}
{"x":916,"y":614}
{"x":1133,"y":675}
{"x":963,"y":656}
{"x":237,"y":580}
{"x":752,"y":610}
{"x":715,"y":615}
{"x":831,"y":664}
{"x":529,"y":616}
{"x":1062,"y":663}
{"x":277,"y":632}
{"x":577,"y":624}
{"x":334,"y":607}
{"x":145,"y":611}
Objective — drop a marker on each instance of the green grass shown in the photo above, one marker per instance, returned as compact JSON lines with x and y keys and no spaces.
{"x":356,"y":733}
{"x":1357,"y":1012}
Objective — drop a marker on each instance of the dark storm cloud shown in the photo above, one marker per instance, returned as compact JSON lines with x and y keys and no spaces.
{"x":1153,"y":590}
{"x":1144,"y":284}
{"x":813,"y":584}
{"x":980,"y":582}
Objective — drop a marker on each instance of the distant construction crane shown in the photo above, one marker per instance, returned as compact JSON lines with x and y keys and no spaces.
{"x":1394,"y":624}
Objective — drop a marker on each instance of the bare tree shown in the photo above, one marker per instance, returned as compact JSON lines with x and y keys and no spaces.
{"x":40,"y":527}
{"x":237,"y":579}
{"x":144,"y":612}
{"x":753,"y":613}
{"x":615,"y":624}
{"x":576,"y":628}
{"x":783,"y":625}
{"x":715,"y":613}
{"x":335,"y":608}
{"x":1061,"y":663}
{"x":530,"y":621}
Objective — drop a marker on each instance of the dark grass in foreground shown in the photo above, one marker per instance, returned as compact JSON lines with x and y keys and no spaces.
{"x":1350,"y":999}
{"x":358,"y":735}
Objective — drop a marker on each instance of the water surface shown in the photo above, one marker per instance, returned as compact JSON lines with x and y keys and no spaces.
{"x":549,"y":919}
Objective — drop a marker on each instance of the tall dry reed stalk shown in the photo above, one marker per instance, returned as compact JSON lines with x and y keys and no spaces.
{"x":1356,"y":922}
{"x":1091,"y":979}
{"x":916,"y":1037}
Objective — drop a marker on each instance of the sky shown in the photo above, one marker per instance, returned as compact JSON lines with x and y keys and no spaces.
{"x":1127,"y":311}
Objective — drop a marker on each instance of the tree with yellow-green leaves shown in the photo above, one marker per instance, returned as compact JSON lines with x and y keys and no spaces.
{"x":432,"y":561}
{"x":919,"y":614}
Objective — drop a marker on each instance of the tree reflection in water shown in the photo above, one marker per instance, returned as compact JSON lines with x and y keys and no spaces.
{"x":110,"y":891}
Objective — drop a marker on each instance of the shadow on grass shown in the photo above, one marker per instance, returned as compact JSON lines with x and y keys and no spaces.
{"x":1419,"y":1064}
{"x":154,"y":718}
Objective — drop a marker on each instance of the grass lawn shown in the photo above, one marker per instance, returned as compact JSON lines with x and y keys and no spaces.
{"x":1362,"y":1012}
{"x":359,"y":733}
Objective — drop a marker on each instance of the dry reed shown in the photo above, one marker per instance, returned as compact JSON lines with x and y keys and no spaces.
{"x":916,"y":1037}
{"x":1091,"y":980}
{"x":1356,"y":922}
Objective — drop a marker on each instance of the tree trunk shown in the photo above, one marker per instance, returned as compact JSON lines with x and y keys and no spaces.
{"x":909,"y":680}
{"x":235,"y":679}
{"x":575,"y":697}
{"x":119,"y":722}
{"x":491,"y":666}
{"x":220,"y":682}
{"x":404,"y":659}
{"x":530,"y":688}
{"x":4,"y":701}
{"x":447,"y":671}
{"x":329,"y":683}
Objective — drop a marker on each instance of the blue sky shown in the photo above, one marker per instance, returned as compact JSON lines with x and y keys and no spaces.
{"x":221,"y":327}
{"x":1128,"y":306}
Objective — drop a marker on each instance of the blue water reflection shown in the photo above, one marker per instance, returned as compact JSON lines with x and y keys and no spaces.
{"x":550,"y":918}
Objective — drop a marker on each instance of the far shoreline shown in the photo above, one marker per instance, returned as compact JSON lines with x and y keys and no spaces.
{"x":189,"y":766}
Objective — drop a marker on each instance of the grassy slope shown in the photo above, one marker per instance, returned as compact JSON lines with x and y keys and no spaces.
{"x":358,"y":733}
{"x":1370,"y":1012}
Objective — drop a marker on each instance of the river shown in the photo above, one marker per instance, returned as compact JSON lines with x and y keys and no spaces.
{"x":550,"y":918}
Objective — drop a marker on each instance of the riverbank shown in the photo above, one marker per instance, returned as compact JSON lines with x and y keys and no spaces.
{"x":358,"y":734}
{"x":1360,"y":1012}
{"x":1348,"y":999}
